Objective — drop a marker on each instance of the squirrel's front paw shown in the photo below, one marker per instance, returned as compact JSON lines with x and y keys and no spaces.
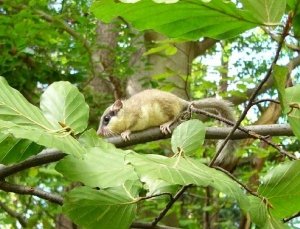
{"x":125,"y":135}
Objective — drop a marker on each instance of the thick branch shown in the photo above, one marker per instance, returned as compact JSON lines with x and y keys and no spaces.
{"x":48,"y":156}
{"x":211,"y":133}
{"x":25,"y":190}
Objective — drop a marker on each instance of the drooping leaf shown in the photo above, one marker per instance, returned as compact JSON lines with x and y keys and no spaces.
{"x":112,"y":208}
{"x":63,"y":103}
{"x":293,"y":108}
{"x":99,"y":168}
{"x":188,"y":137}
{"x":281,"y":187}
{"x":61,"y":141}
{"x":185,"y":171}
{"x":186,"y":19}
{"x":13,"y":150}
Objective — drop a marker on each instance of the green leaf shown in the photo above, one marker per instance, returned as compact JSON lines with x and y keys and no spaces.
{"x":90,"y":139}
{"x":281,"y":187}
{"x":261,"y":216}
{"x":185,"y":171}
{"x":258,"y":210}
{"x":267,"y":11}
{"x":188,"y":137}
{"x":99,"y":168}
{"x":293,"y":99}
{"x":23,"y":120}
{"x":186,"y":19}
{"x":15,"y":108}
{"x":112,"y":208}
{"x":61,"y":141}
{"x":280,"y":74}
{"x":63,"y":103}
{"x":14,"y":150}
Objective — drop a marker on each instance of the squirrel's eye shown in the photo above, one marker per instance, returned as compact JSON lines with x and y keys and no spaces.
{"x":106,"y":119}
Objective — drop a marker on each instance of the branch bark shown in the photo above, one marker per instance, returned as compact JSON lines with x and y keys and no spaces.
{"x":25,"y":190}
{"x":48,"y":156}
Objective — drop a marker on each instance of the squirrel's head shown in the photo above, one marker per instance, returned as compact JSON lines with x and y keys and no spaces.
{"x":109,"y":122}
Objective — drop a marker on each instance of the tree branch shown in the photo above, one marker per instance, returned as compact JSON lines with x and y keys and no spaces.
{"x":25,"y":190}
{"x":48,"y":156}
{"x":14,"y":214}
{"x":150,"y":226}
{"x":211,"y":133}
{"x":45,"y":157}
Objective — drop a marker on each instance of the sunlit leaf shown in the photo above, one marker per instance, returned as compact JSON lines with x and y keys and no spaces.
{"x":63,"y":103}
{"x":187,"y":19}
{"x":98,"y":168}
{"x":188,"y":137}
{"x":23,"y":120}
{"x":61,"y":141}
{"x":267,"y":11}
{"x":185,"y":171}
{"x":281,"y":187}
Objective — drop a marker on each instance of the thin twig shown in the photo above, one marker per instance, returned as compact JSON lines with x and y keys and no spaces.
{"x":170,"y":204}
{"x":237,"y":181}
{"x":292,"y":217}
{"x":26,"y":190}
{"x":150,"y":226}
{"x":252,"y":98}
{"x":245,"y":130}
{"x":156,"y":195}
{"x":265,"y":100}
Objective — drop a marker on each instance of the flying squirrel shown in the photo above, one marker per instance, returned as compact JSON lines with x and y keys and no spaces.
{"x":152,"y":108}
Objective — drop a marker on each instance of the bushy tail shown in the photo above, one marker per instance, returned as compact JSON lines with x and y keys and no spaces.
{"x":226,"y":158}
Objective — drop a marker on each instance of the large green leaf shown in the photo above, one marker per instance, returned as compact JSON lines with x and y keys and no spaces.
{"x":112,"y":208}
{"x":260,"y":214}
{"x":281,"y":187}
{"x":15,"y":108}
{"x":188,"y":137}
{"x":63,"y":103}
{"x":293,"y":100}
{"x":58,"y":140}
{"x":23,"y":120}
{"x":99,"y":168}
{"x":187,"y":19}
{"x":184,"y":171}
{"x":14,"y":150}
{"x":267,"y":11}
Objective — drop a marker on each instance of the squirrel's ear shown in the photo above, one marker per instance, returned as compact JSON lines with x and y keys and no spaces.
{"x":118,"y":104}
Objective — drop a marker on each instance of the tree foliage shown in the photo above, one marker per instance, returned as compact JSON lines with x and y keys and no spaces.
{"x":48,"y":51}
